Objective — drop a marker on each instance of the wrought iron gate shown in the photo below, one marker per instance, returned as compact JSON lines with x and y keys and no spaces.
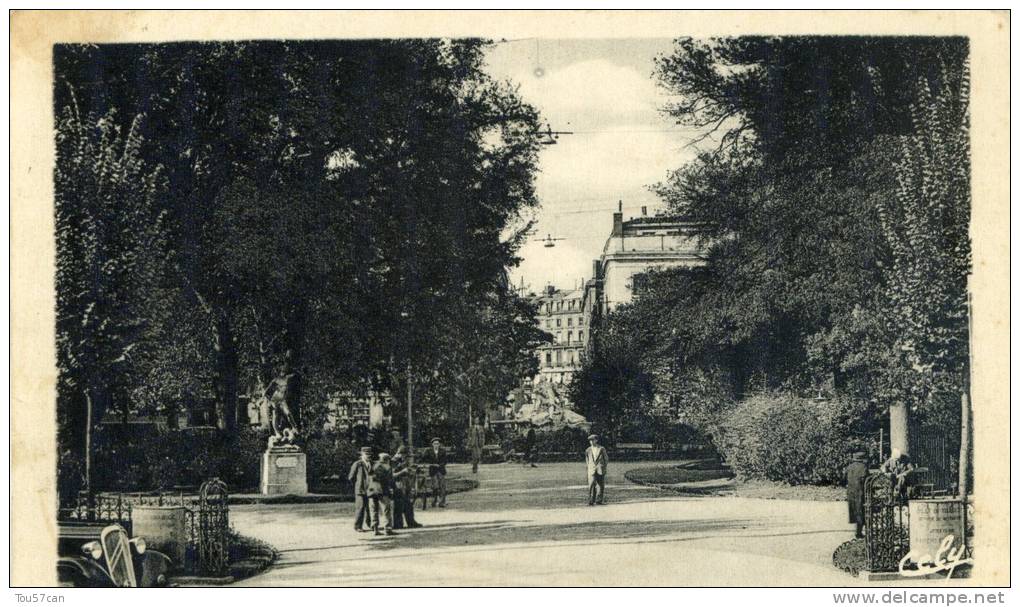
{"x":886,"y":523}
{"x":213,"y":524}
{"x":206,"y":520}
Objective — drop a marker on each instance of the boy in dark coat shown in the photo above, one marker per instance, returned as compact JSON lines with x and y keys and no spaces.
{"x":380,"y":492}
{"x":403,"y":496}
{"x":856,"y":474}
{"x":436,"y":459}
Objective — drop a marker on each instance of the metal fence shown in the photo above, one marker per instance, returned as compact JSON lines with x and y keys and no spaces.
{"x":886,"y":524}
{"x":932,"y":449}
{"x":206,"y":516}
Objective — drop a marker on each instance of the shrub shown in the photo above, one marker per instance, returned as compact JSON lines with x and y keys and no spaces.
{"x":149,"y":459}
{"x":329,"y":454}
{"x":563,"y":440}
{"x":782,"y":437}
{"x":240,"y":458}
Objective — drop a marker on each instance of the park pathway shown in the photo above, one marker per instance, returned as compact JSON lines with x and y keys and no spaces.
{"x":532,"y":527}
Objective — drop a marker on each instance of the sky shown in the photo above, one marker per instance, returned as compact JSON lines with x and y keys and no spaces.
{"x":604,"y":92}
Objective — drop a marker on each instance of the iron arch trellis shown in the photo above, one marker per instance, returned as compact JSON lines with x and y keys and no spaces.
{"x":886,"y":523}
{"x":213,"y":526}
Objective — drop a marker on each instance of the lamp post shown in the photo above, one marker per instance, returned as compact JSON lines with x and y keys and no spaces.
{"x":410,"y":419}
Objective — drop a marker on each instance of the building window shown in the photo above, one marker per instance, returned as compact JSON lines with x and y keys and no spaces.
{"x":570,"y":321}
{"x":559,"y":359}
{"x":548,"y":359}
{"x":580,"y":336}
{"x":570,"y":336}
{"x":557,"y":322}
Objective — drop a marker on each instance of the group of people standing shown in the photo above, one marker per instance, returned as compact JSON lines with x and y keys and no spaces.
{"x":385,"y":490}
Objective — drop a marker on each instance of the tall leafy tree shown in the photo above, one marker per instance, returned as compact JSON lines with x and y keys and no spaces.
{"x":613,"y":390}
{"x":826,"y":192}
{"x":926,"y":226}
{"x":110,"y":239}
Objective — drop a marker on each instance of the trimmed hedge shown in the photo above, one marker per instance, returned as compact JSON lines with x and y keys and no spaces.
{"x":780,"y":437}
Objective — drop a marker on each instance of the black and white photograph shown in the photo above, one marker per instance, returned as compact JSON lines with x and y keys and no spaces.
{"x":677,"y":308}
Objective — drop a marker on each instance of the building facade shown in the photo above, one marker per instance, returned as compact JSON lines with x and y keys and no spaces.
{"x":634,"y":247}
{"x":364,"y":407}
{"x":560,"y":314}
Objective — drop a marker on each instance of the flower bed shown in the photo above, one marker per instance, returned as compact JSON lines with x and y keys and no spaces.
{"x":850,"y":556}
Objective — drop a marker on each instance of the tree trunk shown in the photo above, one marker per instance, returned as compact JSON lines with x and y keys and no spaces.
{"x":89,"y":492}
{"x":297,"y":328}
{"x":965,"y":408}
{"x":964,"y":443}
{"x":265,"y":367}
{"x":899,"y":427}
{"x":226,"y":376}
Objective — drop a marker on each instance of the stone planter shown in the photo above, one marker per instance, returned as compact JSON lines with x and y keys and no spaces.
{"x":163,"y":528}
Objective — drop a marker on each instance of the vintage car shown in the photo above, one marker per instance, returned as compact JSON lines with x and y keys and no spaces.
{"x":93,"y":556}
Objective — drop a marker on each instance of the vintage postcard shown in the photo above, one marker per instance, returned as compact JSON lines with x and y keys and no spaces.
{"x":577,"y":298}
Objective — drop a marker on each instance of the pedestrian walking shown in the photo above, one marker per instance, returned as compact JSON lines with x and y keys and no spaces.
{"x":436,"y":459}
{"x":360,"y":477}
{"x":856,"y":474}
{"x":403,"y":497}
{"x":529,"y":445}
{"x":380,"y":495}
{"x":475,"y":443}
{"x":598,"y":463}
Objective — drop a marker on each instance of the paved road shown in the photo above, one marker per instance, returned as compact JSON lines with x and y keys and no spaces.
{"x":532,"y":526}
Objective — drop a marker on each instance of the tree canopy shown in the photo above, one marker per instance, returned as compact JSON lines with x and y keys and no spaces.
{"x":340,"y":205}
{"x":832,"y":196}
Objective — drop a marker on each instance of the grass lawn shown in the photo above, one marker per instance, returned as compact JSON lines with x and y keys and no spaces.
{"x":672,"y":475}
{"x":697,"y":477}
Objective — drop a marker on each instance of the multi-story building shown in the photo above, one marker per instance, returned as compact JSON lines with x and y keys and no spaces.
{"x":635,"y":246}
{"x":560,"y":314}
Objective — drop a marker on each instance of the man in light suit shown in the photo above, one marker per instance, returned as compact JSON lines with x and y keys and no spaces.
{"x":598,"y":462}
{"x":361,"y":477}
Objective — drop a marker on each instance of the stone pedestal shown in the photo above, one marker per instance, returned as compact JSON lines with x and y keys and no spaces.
{"x":284,"y":471}
{"x":163,"y":528}
{"x":932,"y":521}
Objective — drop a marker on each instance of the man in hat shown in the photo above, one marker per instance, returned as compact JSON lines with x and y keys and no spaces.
{"x":380,"y":492}
{"x":436,"y":459}
{"x":361,"y":476}
{"x":476,"y":442}
{"x":598,"y":463}
{"x":856,"y":474}
{"x":529,"y":445}
{"x":403,"y":496}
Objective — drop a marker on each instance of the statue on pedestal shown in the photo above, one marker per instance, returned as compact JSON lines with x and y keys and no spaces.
{"x":284,"y":394}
